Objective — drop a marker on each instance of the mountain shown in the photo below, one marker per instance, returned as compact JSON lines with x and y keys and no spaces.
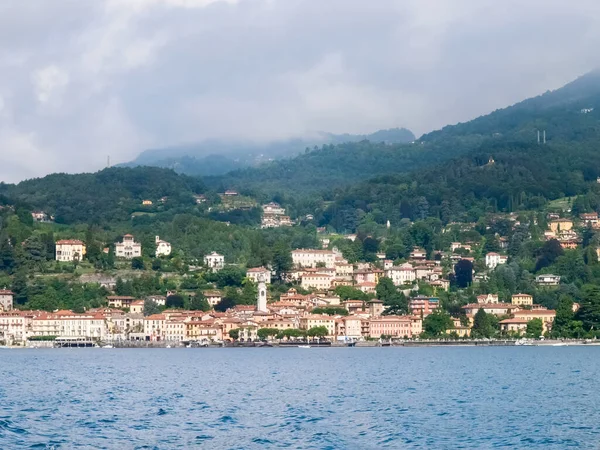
{"x":108,"y":195}
{"x":215,"y":157}
{"x":499,"y":164}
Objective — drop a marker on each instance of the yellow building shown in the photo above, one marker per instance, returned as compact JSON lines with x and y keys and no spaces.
{"x":314,"y":320}
{"x":522,"y":300}
{"x":561,"y":225}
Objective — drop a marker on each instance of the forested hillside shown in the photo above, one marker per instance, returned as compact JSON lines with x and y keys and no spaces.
{"x":109,"y":195}
{"x":217,"y":157}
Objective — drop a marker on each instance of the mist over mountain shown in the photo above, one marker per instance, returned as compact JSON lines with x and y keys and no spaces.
{"x":216,"y":157}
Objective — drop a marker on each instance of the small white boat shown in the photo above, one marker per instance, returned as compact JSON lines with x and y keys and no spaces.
{"x":108,"y":346}
{"x":559,"y":344}
{"x":168,"y":346}
{"x":304,"y":346}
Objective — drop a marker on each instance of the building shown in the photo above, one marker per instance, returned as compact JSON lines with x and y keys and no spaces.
{"x":492,"y":260}
{"x":547,"y":280}
{"x":163,"y":248}
{"x":375,"y":308}
{"x":274,"y":209}
{"x":6,"y":300}
{"x":154,"y":326}
{"x":257,"y":272}
{"x":261,"y":300}
{"x":147,"y":202}
{"x":522,"y":300}
{"x":560,"y":225}
{"x":498,"y":309}
{"x":393,"y":326}
{"x":513,"y":325}
{"x":418,"y":254}
{"x":545,"y":315}
{"x":14,"y":326}
{"x":456,"y":245}
{"x":69,"y":250}
{"x":120,"y":301}
{"x":349,"y":327}
{"x":486,"y":299}
{"x":590,"y":219}
{"x":423,"y":306}
{"x":313,"y":258}
{"x":316,"y":280}
{"x":214,"y":261}
{"x":128,"y":248}
{"x":41,"y":216}
{"x":315,"y":320}
{"x":404,"y":274}
{"x":136,"y":307}
{"x":213,"y":297}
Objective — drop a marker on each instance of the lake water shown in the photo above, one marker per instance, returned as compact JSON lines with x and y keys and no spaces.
{"x":336,"y":398}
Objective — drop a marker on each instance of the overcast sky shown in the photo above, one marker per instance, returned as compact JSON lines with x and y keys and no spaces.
{"x":80,"y":80}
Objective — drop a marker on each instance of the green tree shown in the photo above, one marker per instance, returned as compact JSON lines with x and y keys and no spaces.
{"x":137,"y":263}
{"x":174,"y":301}
{"x":151,"y":307}
{"x":224,"y":304}
{"x":319,"y":331}
{"x":19,"y":287}
{"x":234,"y":334}
{"x":535,"y":328}
{"x":282,"y":259}
{"x":564,"y":315}
{"x":589,"y":310}
{"x":385,"y":289}
{"x":350,"y":293}
{"x":437,"y":323}
{"x":198,"y":302}
{"x":482,"y":328}
{"x":331,"y":311}
{"x":463,"y":273}
{"x":265,"y":333}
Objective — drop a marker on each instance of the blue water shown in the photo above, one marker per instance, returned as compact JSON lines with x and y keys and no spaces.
{"x":345,"y":398}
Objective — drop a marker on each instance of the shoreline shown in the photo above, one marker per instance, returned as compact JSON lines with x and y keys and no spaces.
{"x":364,"y":344}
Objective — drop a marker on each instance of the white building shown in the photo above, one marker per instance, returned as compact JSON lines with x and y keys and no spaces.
{"x":255,"y":274}
{"x":404,"y":274}
{"x":69,"y":250}
{"x":313,"y":258}
{"x":274,"y":216}
{"x":69,"y":324}
{"x":163,"y":248}
{"x":128,"y":249}
{"x":547,"y":280}
{"x":492,"y":260}
{"x":13,"y":327}
{"x":214,"y":261}
{"x":6,"y":300}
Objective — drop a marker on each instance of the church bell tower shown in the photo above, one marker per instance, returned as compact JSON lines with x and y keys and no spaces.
{"x":261,"y":301}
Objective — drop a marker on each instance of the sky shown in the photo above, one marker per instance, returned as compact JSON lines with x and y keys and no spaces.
{"x":81,"y":80}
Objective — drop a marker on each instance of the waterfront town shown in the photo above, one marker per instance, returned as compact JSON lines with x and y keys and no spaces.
{"x":311,"y":306}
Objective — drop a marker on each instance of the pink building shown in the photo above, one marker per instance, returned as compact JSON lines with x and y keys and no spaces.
{"x":423,"y":306}
{"x":396,"y":326}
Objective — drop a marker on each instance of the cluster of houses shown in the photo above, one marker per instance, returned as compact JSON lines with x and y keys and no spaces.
{"x":327,"y":269}
{"x":71,"y":250}
{"x":274,"y":216}
{"x":123,"y":319}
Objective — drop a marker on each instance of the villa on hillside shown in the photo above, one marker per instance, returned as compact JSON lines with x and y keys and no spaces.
{"x":128,"y":248}
{"x":69,"y":250}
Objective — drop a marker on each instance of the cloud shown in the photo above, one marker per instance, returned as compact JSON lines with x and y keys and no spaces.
{"x":83,"y":80}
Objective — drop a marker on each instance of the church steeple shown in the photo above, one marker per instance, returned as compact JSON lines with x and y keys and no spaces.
{"x":261,"y":301}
